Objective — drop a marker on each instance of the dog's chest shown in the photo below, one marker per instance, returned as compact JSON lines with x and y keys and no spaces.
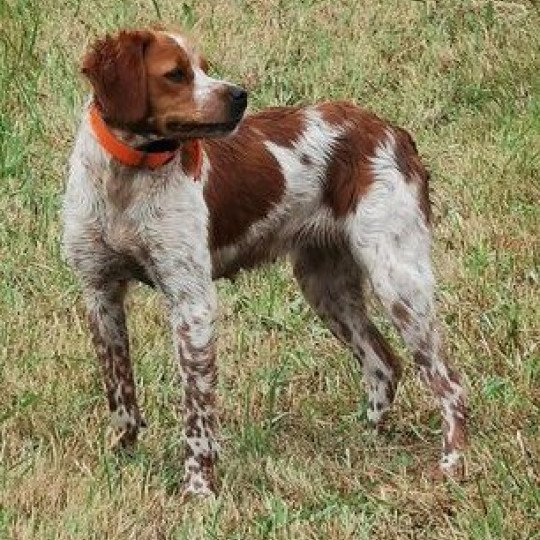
{"x":123,"y":226}
{"x":118,"y":206}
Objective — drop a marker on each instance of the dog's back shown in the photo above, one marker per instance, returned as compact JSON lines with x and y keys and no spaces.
{"x":294,"y":175}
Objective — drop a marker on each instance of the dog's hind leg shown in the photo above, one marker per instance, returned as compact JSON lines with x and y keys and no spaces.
{"x":332,"y":283}
{"x":390,"y":238}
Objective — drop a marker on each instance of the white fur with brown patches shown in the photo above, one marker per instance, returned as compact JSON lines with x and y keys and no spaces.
{"x":158,"y":230}
{"x":300,"y":212}
{"x":389,"y":236}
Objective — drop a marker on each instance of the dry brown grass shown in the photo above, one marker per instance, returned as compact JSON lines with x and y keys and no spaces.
{"x":299,"y":460}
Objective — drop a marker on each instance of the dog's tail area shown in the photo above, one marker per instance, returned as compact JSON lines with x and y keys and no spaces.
{"x":412,"y":168}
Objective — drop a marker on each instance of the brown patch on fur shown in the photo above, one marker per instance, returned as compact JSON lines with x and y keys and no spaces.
{"x":441,"y":385}
{"x":116,"y":69}
{"x":422,"y":358}
{"x":412,"y":168}
{"x":245,"y":180}
{"x":349,"y":173}
{"x":344,"y":330}
{"x":204,"y":64}
{"x":387,"y":356}
{"x":459,"y":439}
{"x":190,"y":156}
{"x":168,"y":98}
{"x":401,"y":313}
{"x":456,"y":439}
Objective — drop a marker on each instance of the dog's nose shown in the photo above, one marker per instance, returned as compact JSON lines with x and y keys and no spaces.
{"x":238,"y":101}
{"x":238,"y":94}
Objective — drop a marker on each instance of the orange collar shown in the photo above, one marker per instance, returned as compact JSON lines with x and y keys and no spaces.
{"x":131,"y":157}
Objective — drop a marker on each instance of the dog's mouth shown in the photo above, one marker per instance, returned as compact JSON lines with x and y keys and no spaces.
{"x":192,"y":130}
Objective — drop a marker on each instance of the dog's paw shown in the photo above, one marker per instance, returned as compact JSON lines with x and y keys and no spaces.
{"x":451,"y":466}
{"x":125,"y":440}
{"x":198,"y":487}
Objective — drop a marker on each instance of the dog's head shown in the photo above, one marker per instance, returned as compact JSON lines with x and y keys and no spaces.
{"x":154,"y":81}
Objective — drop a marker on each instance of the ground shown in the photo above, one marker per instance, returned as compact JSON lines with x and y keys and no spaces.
{"x":299,"y":460}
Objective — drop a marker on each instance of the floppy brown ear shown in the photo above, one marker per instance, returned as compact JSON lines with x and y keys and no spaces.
{"x":115,"y":68}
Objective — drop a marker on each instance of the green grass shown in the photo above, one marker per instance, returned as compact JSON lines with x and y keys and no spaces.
{"x":299,"y":459}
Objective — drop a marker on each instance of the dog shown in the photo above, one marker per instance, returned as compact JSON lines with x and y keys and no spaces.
{"x":170,"y":185}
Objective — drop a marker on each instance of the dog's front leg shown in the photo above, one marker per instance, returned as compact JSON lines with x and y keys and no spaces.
{"x":192,"y":302}
{"x":106,"y":316}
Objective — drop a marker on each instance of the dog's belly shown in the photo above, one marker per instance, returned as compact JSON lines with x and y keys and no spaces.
{"x":294,"y":222}
{"x":246,"y":254}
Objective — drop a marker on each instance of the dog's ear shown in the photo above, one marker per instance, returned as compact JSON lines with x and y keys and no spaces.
{"x":115,"y":68}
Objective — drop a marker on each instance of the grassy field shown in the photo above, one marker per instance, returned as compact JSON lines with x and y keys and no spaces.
{"x":299,"y":460}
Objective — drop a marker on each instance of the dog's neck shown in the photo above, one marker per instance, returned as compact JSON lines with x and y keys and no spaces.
{"x":140,"y":151}
{"x":145,"y":140}
{"x":139,"y":137}
{"x":130,"y":138}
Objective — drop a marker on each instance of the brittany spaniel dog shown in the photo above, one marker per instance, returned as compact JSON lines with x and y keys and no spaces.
{"x":170,"y":185}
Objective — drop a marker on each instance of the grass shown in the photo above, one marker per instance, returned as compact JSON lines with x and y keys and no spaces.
{"x":299,"y":460}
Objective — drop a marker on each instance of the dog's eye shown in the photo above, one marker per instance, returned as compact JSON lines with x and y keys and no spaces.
{"x":175,"y":75}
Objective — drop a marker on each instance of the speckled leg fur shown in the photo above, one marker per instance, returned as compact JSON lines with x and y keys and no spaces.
{"x":333,"y":284}
{"x":192,"y":313}
{"x":108,"y":326}
{"x":395,"y":251}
